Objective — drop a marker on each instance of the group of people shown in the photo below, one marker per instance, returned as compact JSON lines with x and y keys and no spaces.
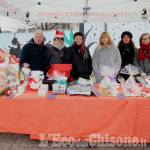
{"x":41,"y":57}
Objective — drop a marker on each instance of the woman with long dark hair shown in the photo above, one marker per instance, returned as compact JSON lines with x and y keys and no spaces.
{"x":127,"y":50}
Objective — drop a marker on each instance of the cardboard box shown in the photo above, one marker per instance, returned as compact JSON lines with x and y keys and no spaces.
{"x":59,"y":88}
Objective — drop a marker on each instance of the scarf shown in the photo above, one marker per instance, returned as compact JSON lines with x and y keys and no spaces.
{"x":141,"y":55}
{"x":58,"y":45}
{"x":81,"y":50}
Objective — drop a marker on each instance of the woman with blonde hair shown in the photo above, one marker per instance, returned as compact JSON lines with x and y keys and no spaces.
{"x":105,"y":54}
{"x":142,"y":55}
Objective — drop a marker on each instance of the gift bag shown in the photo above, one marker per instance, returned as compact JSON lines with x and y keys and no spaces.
{"x":108,"y":86}
{"x":35,"y":80}
{"x":130,"y":87}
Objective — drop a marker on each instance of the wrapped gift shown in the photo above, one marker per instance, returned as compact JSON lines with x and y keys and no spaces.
{"x":81,"y":89}
{"x":56,"y":76}
{"x":4,"y":89}
{"x":35,"y":80}
{"x":26,"y":71}
{"x":61,"y":69}
{"x":60,"y":86}
{"x":108,"y":86}
{"x":130,"y":87}
{"x":3,"y":80}
{"x":17,"y":72}
{"x":22,"y":88}
{"x":107,"y":90}
{"x":145,"y":81}
{"x":145,"y":92}
{"x":3,"y":69}
{"x":85,"y":81}
{"x":43,"y":89}
{"x":11,"y":73}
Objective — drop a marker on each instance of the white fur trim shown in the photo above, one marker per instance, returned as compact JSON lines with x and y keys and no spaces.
{"x":59,"y":36}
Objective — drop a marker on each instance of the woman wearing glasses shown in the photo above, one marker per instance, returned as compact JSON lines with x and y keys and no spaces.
{"x":142,"y":55}
{"x":56,"y":50}
{"x":78,"y":55}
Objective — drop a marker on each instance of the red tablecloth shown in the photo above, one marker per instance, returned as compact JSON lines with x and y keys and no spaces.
{"x":77,"y":116}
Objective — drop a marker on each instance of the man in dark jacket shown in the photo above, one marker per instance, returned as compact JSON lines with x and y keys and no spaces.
{"x":35,"y":53}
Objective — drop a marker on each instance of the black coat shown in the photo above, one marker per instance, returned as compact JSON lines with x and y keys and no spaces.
{"x":34,"y":55}
{"x":127,"y":54}
{"x":54,"y":55}
{"x":80,"y":68}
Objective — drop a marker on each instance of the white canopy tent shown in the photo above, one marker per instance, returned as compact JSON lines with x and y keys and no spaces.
{"x":9,"y":24}
{"x":76,"y":11}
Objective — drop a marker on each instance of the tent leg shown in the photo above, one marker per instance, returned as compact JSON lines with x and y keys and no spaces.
{"x":27,"y":33}
{"x":105,"y":27}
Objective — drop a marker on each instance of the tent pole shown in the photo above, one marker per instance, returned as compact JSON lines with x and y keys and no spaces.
{"x":81,"y":27}
{"x":105,"y":27}
{"x":86,"y":8}
{"x":27,"y":31}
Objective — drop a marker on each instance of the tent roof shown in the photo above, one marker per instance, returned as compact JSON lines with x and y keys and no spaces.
{"x":11,"y":24}
{"x":76,"y":11}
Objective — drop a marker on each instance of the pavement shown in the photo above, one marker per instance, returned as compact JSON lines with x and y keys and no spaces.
{"x":12,"y":141}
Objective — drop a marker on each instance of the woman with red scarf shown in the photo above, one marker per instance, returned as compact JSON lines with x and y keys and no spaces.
{"x":78,"y":55}
{"x":142,"y":55}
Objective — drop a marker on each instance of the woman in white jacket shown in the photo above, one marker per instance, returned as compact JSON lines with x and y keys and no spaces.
{"x":105,"y":54}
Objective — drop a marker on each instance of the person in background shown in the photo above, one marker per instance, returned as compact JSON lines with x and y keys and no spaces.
{"x":106,"y":53}
{"x":127,"y":50}
{"x":78,"y":55}
{"x":56,"y":50}
{"x":35,"y":53}
{"x":142,"y":55}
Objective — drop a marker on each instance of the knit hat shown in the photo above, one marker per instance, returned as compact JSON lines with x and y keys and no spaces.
{"x":126,"y":33}
{"x":58,"y":34}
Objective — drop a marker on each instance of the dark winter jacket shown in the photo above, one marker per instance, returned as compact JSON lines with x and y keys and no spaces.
{"x":55,"y":55}
{"x":127,"y":54}
{"x":34,"y":55}
{"x":80,"y":68}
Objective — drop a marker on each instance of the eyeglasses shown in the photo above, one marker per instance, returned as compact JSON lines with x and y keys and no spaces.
{"x":61,"y":39}
{"x":145,"y":39}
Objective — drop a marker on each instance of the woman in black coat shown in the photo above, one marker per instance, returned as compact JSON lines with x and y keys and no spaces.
{"x":56,"y":50}
{"x":127,"y":50}
{"x":78,"y":55}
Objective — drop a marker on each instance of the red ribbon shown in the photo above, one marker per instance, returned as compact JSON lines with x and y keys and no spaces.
{"x":31,"y":79}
